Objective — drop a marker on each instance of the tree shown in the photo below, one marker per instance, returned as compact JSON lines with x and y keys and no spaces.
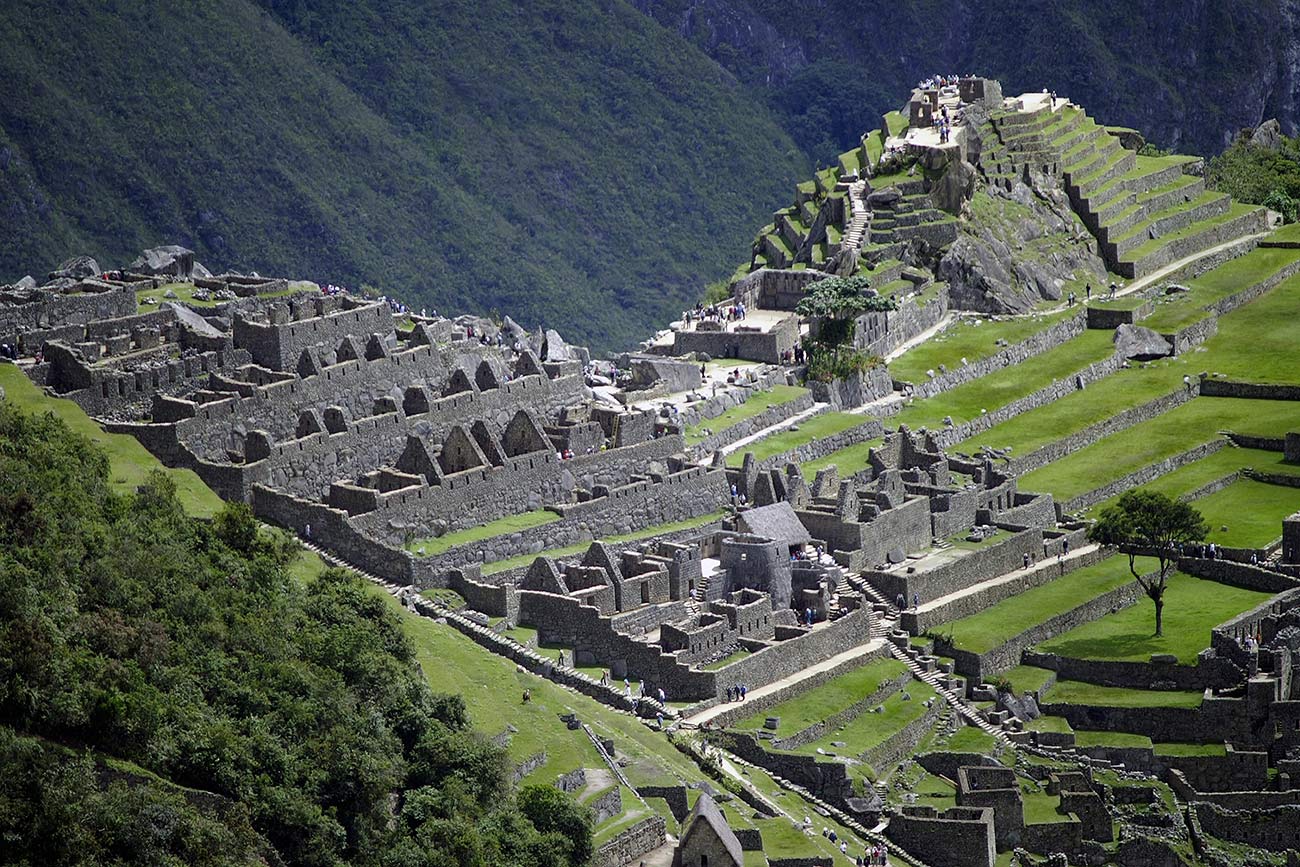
{"x":837,"y":302}
{"x":1153,"y":524}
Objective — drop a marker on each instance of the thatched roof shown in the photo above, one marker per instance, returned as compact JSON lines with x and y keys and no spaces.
{"x":777,"y":522}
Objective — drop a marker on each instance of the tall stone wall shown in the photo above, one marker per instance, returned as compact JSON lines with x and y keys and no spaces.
{"x":1140,"y":477}
{"x":279,"y":346}
{"x":963,"y":572}
{"x":46,"y":310}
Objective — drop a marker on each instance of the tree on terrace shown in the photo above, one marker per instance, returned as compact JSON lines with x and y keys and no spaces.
{"x":837,"y":302}
{"x":1151,"y":524}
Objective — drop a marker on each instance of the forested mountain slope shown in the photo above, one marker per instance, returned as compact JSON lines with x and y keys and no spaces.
{"x":572,"y":164}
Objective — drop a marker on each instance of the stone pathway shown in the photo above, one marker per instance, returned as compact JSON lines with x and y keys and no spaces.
{"x":815,"y":409}
{"x":861,"y":217}
{"x":1007,"y":578}
{"x":759,"y":692}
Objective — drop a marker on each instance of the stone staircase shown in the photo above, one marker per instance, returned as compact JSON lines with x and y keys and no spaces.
{"x":949,"y":687}
{"x":860,"y":217}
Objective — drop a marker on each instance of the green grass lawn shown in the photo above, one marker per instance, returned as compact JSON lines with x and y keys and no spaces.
{"x":1197,"y":474}
{"x":508,"y":524}
{"x":1180,"y":310}
{"x":830,"y":698}
{"x":969,"y":739}
{"x":1053,"y":724}
{"x":1004,"y":386}
{"x":1039,"y":806}
{"x":726,"y":660}
{"x":872,"y":729}
{"x":1252,"y":511}
{"x":1257,"y":342}
{"x":1178,"y":430}
{"x":756,"y":403}
{"x":578,"y":548}
{"x":1026,"y":678}
{"x":1078,"y":692}
{"x":848,"y":460}
{"x":1193,"y":607}
{"x":1289,"y":233}
{"x":129,"y":462}
{"x":815,"y":428}
{"x":980,"y":633}
{"x":972,"y":339}
{"x":1111,"y":739}
{"x":1235,"y":210}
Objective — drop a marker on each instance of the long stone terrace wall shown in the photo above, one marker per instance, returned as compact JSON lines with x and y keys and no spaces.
{"x":1140,"y":477}
{"x":1252,"y":390}
{"x":1008,"y":654}
{"x":629,"y":845}
{"x":731,"y":396}
{"x":680,"y":497}
{"x":1048,"y":338}
{"x":1218,"y":719}
{"x":1045,"y":395}
{"x":869,"y":429}
{"x":962,"y":572}
{"x":1275,"y":829}
{"x":826,"y":780}
{"x":882,"y":333}
{"x":775,"y":288}
{"x":1066,"y":445}
{"x":279,"y":346}
{"x":1045,"y":571}
{"x":886,"y":755}
{"x":1214,"y":672}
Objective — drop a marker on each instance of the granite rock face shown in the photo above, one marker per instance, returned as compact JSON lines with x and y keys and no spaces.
{"x":76,"y":268}
{"x":1134,"y":341}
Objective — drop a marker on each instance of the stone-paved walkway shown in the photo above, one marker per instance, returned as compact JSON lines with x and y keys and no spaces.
{"x":784,"y":424}
{"x":1006,"y":578}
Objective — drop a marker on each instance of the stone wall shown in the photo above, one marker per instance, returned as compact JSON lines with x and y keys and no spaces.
{"x":1140,"y":477}
{"x":1218,"y":719}
{"x":839,"y":718}
{"x":962,"y":572}
{"x":50,"y":309}
{"x":840,"y":394}
{"x":1045,"y":395}
{"x":882,"y":333}
{"x":886,"y":755}
{"x":826,"y":780}
{"x":740,"y":342}
{"x":629,"y":845}
{"x":1048,"y":338}
{"x":279,"y":346}
{"x":1108,"y":319}
{"x":754,"y":424}
{"x":957,"y":837}
{"x":1275,"y":829}
{"x":1071,"y":443}
{"x":1253,"y":390}
{"x":1216,"y":672}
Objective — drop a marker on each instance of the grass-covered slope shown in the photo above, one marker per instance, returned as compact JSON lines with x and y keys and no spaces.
{"x":570,"y":164}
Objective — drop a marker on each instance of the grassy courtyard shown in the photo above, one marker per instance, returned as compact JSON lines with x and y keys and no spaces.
{"x":758,"y":402}
{"x":1193,"y":607}
{"x":1256,"y":343}
{"x":1078,"y":692}
{"x":830,"y":698}
{"x":185,"y":293}
{"x":129,"y":462}
{"x":969,"y":338}
{"x":980,"y":633}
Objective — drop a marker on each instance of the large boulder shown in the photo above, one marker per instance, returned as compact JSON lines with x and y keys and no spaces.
{"x":28,"y":282}
{"x":77,"y":268}
{"x":169,"y":261}
{"x":1134,"y":341}
{"x":955,"y":187}
{"x":884,"y":198}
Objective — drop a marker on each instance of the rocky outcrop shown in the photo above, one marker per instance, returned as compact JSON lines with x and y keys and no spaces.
{"x":1267,"y":135}
{"x":955,"y":187}
{"x":170,"y":261}
{"x":76,"y":268}
{"x":1018,"y":252}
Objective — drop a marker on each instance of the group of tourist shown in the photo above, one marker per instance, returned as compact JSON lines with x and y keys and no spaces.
{"x":9,"y":351}
{"x":331,"y":289}
{"x":715,"y":313}
{"x":937,"y":82}
{"x":737,"y":692}
{"x":795,"y":356}
{"x":876,"y":854}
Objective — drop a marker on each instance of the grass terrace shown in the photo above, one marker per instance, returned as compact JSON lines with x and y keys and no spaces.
{"x":815,"y":428}
{"x":1078,"y":692}
{"x":1122,"y":390}
{"x":509,"y":524}
{"x":1248,"y":513}
{"x":869,"y":730}
{"x":1193,"y":607}
{"x":578,"y":548}
{"x":755,"y":404}
{"x":1235,"y":210}
{"x":1256,"y":343}
{"x":1004,"y":386}
{"x":1174,"y":749}
{"x":1197,"y":474}
{"x":1027,"y":678}
{"x":129,"y":462}
{"x":1180,"y":310}
{"x":1111,"y":739}
{"x":1176,"y":431}
{"x":980,"y":633}
{"x":848,"y":460}
{"x":1288,"y":234}
{"x":970,"y":338}
{"x":828,"y":699}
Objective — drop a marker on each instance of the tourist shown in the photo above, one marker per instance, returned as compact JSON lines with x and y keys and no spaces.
{"x":916,"y":601}
{"x":744,"y":691}
{"x":729,"y":694}
{"x":1087,"y":292}
{"x":900,"y":602}
{"x":604,"y":678}
{"x":659,"y":720}
{"x":1187,"y":382}
{"x":559,"y":660}
{"x":1025,"y":560}
{"x":627,"y":688}
{"x":663,"y":698}
{"x":528,"y":696}
{"x":307,"y":531}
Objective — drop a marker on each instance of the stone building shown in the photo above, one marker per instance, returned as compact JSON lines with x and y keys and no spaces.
{"x":707,"y":840}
